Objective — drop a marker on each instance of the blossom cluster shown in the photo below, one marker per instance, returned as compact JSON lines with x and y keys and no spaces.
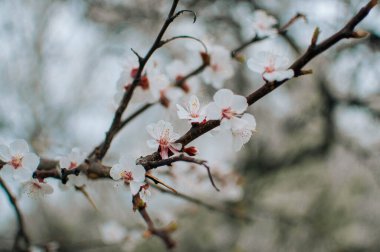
{"x":20,"y":164}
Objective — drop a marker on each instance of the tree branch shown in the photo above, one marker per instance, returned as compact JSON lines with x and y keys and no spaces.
{"x":115,"y":125}
{"x":346,"y":32}
{"x":21,"y":235}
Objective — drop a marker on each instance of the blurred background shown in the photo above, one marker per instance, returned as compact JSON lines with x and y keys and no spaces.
{"x":308,"y":180}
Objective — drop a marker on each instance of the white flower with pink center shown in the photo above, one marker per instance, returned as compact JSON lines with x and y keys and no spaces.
{"x":129,"y":173}
{"x":225,"y":107}
{"x":262,"y":24}
{"x":242,"y":130}
{"x":34,"y":188}
{"x":18,"y":160}
{"x":271,"y":66}
{"x":163,"y":138}
{"x":113,"y":232}
{"x":73,"y":159}
{"x":220,"y":68}
{"x":193,"y":111}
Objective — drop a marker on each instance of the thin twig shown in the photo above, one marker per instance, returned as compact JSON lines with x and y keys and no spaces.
{"x":163,"y":234}
{"x":148,"y":165}
{"x":229,"y":212}
{"x":21,"y":235}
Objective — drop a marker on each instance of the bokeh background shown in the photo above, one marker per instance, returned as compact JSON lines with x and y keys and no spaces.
{"x":307,"y":181}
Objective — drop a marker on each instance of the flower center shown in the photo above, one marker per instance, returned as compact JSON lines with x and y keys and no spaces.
{"x":269,"y":69}
{"x":164,"y":139}
{"x":228,"y":113}
{"x":16,"y":161}
{"x":261,"y":25}
{"x":72,"y":165}
{"x":215,"y":67}
{"x":127,"y":176}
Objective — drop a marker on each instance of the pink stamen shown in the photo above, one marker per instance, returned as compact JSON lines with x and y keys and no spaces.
{"x":16,"y":162}
{"x":127,"y":176}
{"x":72,"y":165}
{"x":227,"y":113}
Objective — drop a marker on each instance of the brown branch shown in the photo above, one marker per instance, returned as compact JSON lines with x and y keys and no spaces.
{"x":123,"y":124}
{"x":148,"y":165}
{"x":163,"y":233}
{"x":346,"y":32}
{"x":21,"y":235}
{"x":115,"y":125}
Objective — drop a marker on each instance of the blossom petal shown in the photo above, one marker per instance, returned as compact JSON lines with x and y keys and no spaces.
{"x":194,"y":104}
{"x":182,"y":113}
{"x":223,"y":98}
{"x":5,"y":155}
{"x":22,"y":174}
{"x":225,"y":124}
{"x":278,"y":75}
{"x":175,"y":146}
{"x":213,"y":112}
{"x":30,"y":161}
{"x":138,"y":173}
{"x":152,"y":144}
{"x":115,"y":171}
{"x":250,"y":119}
{"x":135,"y":187}
{"x":164,"y":152}
{"x":256,"y":66}
{"x":239,"y":104}
{"x":18,"y":147}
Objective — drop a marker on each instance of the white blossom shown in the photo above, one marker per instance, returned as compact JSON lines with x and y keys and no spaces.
{"x":19,"y":161}
{"x":163,"y":138}
{"x":34,"y":188}
{"x":73,"y":159}
{"x":242,"y":130}
{"x":226,"y":106}
{"x":262,"y":24}
{"x":130,"y":173}
{"x":193,"y":111}
{"x":113,"y":232}
{"x":220,"y":68}
{"x":271,"y":66}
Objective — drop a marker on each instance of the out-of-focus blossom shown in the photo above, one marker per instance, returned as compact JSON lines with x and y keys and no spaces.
{"x":226,"y":106}
{"x":193,"y":111}
{"x":113,"y":232}
{"x":220,"y":68}
{"x":73,"y":159}
{"x":262,"y":24}
{"x":163,"y":138}
{"x":34,"y":188}
{"x":271,"y":66}
{"x":176,"y":71}
{"x":142,"y":91}
{"x":130,"y":173}
{"x":242,"y":129}
{"x":19,"y":161}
